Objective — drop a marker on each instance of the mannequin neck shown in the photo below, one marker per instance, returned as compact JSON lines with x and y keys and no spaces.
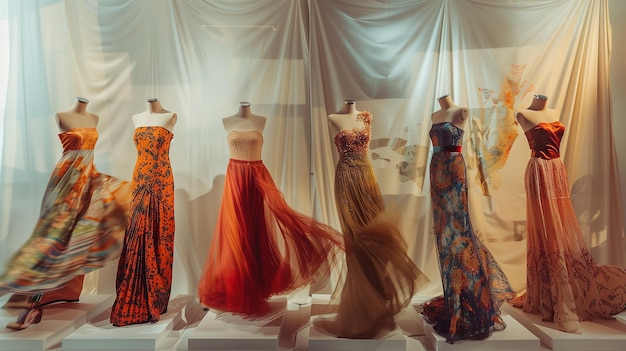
{"x":154,"y":105}
{"x":538,"y":104}
{"x":244,"y":110}
{"x":446,"y":102}
{"x":80,"y":106}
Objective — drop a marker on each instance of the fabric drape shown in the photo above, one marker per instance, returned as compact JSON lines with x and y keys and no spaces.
{"x":296,"y":61}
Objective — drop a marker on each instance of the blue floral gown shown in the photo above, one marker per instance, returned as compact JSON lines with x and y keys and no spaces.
{"x":474,"y":286}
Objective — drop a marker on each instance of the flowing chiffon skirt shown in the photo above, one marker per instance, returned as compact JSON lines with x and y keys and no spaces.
{"x":379,"y":278}
{"x":564,"y":284}
{"x":80,"y":226}
{"x":261,"y":247}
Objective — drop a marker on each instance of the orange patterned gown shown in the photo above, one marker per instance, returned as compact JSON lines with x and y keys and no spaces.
{"x":261,"y":247}
{"x":144,"y":273}
{"x":81,"y":223}
{"x":563,"y":282}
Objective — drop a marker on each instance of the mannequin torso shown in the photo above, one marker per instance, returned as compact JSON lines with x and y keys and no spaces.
{"x":244,"y":120}
{"x":155,"y":115}
{"x":76,"y":117}
{"x":346,"y":118}
{"x":450,"y":112}
{"x":536,"y":113}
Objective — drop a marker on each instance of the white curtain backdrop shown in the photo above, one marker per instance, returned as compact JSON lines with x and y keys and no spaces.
{"x":296,"y":61}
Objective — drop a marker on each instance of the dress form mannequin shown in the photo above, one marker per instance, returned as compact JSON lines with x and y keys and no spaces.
{"x":346,"y":118}
{"x":450,"y":112}
{"x":244,"y":120}
{"x":536,"y":113}
{"x":76,"y":116}
{"x":155,"y":115}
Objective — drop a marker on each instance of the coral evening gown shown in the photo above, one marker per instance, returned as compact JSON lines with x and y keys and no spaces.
{"x":563,"y":282}
{"x":261,"y":247}
{"x":80,"y":226}
{"x":379,"y":278}
{"x":474,"y":286}
{"x":144,"y":273}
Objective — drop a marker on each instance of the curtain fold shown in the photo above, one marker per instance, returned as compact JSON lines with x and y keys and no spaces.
{"x":296,"y":61}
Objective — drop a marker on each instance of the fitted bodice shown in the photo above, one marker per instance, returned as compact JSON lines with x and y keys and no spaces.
{"x":79,"y":139}
{"x":355,"y":140}
{"x":245,"y":145}
{"x":544,"y":139}
{"x":446,"y":134}
{"x":153,"y":141}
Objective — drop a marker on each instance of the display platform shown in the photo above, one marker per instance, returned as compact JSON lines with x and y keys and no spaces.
{"x":596,"y":335}
{"x":99,"y":334}
{"x":514,"y":338}
{"x":58,"y":321}
{"x":226,"y":331}
{"x":320,"y":340}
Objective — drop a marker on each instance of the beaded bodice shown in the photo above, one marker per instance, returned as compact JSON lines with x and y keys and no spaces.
{"x":355,"y":140}
{"x":79,"y":139}
{"x":245,"y":145}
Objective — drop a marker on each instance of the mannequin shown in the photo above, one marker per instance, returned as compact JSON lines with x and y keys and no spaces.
{"x":345,"y":118}
{"x":469,"y":307}
{"x":244,"y":120}
{"x":261,"y":247}
{"x":378,"y":277}
{"x":155,"y":115}
{"x":83,"y":211}
{"x":144,"y":273}
{"x":76,"y":116}
{"x":536,"y":113}
{"x":563,"y":282}
{"x":450,"y":112}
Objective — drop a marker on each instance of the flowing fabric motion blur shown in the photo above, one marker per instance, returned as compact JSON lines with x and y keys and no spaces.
{"x":379,"y":278}
{"x":80,"y":227}
{"x":261,"y":246}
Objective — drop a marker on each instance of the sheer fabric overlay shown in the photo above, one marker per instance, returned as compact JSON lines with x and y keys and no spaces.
{"x":564,"y":283}
{"x":261,"y":246}
{"x":379,"y":278}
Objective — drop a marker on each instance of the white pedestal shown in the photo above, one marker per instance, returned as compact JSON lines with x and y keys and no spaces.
{"x":100,"y":334}
{"x":319,"y":340}
{"x":225,"y":331}
{"x":58,"y":321}
{"x":513,"y":338}
{"x":596,"y":335}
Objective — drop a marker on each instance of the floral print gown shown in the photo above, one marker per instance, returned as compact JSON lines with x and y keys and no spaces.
{"x":474,"y":286}
{"x":144,"y":273}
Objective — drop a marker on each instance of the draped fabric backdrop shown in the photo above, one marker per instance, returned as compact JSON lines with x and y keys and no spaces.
{"x":296,"y":61}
